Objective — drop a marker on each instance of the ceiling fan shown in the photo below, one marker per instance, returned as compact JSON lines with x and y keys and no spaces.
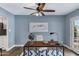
{"x":39,"y":9}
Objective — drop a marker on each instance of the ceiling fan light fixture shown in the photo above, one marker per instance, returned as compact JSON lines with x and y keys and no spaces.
{"x":37,"y":14}
{"x":40,"y":14}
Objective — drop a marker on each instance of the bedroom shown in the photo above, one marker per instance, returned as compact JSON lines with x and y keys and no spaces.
{"x":19,"y":19}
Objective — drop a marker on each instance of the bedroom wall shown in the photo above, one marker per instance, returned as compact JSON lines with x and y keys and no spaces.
{"x":19,"y":25}
{"x":11,"y":25}
{"x":68,"y":17}
{"x":55,"y":23}
{"x":59,"y":24}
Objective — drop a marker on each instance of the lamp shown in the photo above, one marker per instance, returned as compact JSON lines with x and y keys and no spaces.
{"x":51,"y":33}
{"x":31,"y":36}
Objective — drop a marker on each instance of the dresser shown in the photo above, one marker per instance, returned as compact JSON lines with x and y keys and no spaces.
{"x":3,"y":42}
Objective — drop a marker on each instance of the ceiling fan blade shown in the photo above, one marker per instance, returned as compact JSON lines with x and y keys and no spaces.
{"x":38,"y":4}
{"x":42,"y":5}
{"x":48,"y":10}
{"x":29,"y":8}
{"x":42,"y":13}
{"x":33,"y":13}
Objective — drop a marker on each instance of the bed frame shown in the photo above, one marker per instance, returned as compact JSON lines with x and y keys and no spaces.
{"x":38,"y":44}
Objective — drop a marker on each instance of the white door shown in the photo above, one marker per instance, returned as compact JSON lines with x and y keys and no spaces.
{"x":4,"y":38}
{"x":74,"y":33}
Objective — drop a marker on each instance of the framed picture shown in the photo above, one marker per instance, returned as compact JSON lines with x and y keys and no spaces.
{"x":38,"y":27}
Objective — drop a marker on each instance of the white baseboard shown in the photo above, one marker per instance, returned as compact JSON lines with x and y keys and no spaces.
{"x":19,"y":45}
{"x":14,"y":46}
{"x":71,"y":49}
{"x":10,"y":48}
{"x":66,"y":46}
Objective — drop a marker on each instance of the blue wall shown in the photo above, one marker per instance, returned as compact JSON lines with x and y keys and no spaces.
{"x":19,"y":25}
{"x":68,"y":16}
{"x":11,"y":25}
{"x":55,"y":24}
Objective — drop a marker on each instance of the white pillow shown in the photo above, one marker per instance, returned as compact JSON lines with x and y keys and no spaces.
{"x":39,"y":37}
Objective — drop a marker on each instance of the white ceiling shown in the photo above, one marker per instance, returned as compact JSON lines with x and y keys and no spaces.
{"x":61,"y":8}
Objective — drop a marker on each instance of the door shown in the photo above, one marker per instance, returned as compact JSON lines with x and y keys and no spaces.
{"x":3,"y":32}
{"x":74,"y":33}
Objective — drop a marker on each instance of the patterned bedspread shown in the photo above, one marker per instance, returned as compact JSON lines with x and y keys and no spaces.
{"x":45,"y":52}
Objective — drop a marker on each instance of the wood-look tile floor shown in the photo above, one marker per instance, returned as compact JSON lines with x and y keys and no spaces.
{"x":18,"y":50}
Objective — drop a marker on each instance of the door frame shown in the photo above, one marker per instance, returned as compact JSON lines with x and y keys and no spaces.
{"x":6,"y":20}
{"x":72,"y":19}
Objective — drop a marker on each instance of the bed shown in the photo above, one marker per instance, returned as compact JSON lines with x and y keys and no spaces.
{"x":40,"y":48}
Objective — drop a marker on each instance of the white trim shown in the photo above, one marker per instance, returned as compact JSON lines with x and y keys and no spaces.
{"x":72,"y":20}
{"x":7,"y":31}
{"x":66,"y":46}
{"x":19,"y":45}
{"x":71,"y":48}
{"x":14,"y":46}
{"x":71,"y":31}
{"x":10,"y":48}
{"x":5,"y":47}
